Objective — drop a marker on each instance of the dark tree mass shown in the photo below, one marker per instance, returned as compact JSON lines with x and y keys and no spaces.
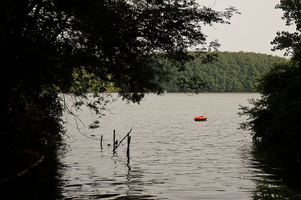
{"x":275,"y":118}
{"x":44,"y":42}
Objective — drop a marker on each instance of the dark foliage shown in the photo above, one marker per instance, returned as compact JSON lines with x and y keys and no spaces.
{"x":275,"y":118}
{"x":43,"y":42}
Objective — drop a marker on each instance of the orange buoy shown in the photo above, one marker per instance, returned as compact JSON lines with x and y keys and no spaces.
{"x":200,"y":118}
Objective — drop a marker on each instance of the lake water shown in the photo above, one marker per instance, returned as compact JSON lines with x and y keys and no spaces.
{"x":171,"y":155}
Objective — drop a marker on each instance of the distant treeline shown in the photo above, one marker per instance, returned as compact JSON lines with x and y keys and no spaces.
{"x":231,"y":72}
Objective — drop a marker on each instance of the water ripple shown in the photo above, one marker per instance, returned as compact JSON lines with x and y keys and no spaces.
{"x":172,"y":157}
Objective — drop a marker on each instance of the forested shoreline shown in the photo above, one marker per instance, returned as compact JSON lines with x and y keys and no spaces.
{"x":49,"y":48}
{"x":231,"y":72}
{"x":227,"y":72}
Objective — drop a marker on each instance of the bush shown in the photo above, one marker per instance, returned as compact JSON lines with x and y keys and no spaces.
{"x":275,"y":118}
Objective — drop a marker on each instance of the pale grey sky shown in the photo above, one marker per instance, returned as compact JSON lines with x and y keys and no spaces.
{"x":252,"y":30}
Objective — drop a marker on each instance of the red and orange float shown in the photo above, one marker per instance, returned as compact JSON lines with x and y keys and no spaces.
{"x":200,"y":118}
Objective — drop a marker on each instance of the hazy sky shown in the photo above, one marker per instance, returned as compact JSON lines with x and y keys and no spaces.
{"x":252,"y":30}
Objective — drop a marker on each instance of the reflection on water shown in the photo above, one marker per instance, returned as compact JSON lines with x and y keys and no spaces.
{"x":41,"y":182}
{"x":281,"y":173}
{"x":95,"y":173}
{"x":171,"y":157}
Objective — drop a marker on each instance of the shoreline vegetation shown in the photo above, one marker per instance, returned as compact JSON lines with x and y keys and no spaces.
{"x":54,"y":47}
{"x":223,"y":75}
{"x":227,"y":72}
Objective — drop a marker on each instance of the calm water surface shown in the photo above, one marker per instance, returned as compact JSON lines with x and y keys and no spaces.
{"x":171,"y":155}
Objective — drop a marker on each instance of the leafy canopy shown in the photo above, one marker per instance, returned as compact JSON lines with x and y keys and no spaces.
{"x":43,"y":43}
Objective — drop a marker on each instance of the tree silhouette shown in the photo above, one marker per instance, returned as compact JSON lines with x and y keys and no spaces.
{"x":43,"y":43}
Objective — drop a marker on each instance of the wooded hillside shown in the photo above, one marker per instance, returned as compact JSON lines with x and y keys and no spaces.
{"x":232,"y":72}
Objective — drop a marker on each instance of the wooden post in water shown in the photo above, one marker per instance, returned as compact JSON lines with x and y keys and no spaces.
{"x":114,"y":144}
{"x":128,"y":149}
{"x":101,"y":140}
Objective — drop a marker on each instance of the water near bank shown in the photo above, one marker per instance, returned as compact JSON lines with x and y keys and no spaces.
{"x":171,"y":156}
